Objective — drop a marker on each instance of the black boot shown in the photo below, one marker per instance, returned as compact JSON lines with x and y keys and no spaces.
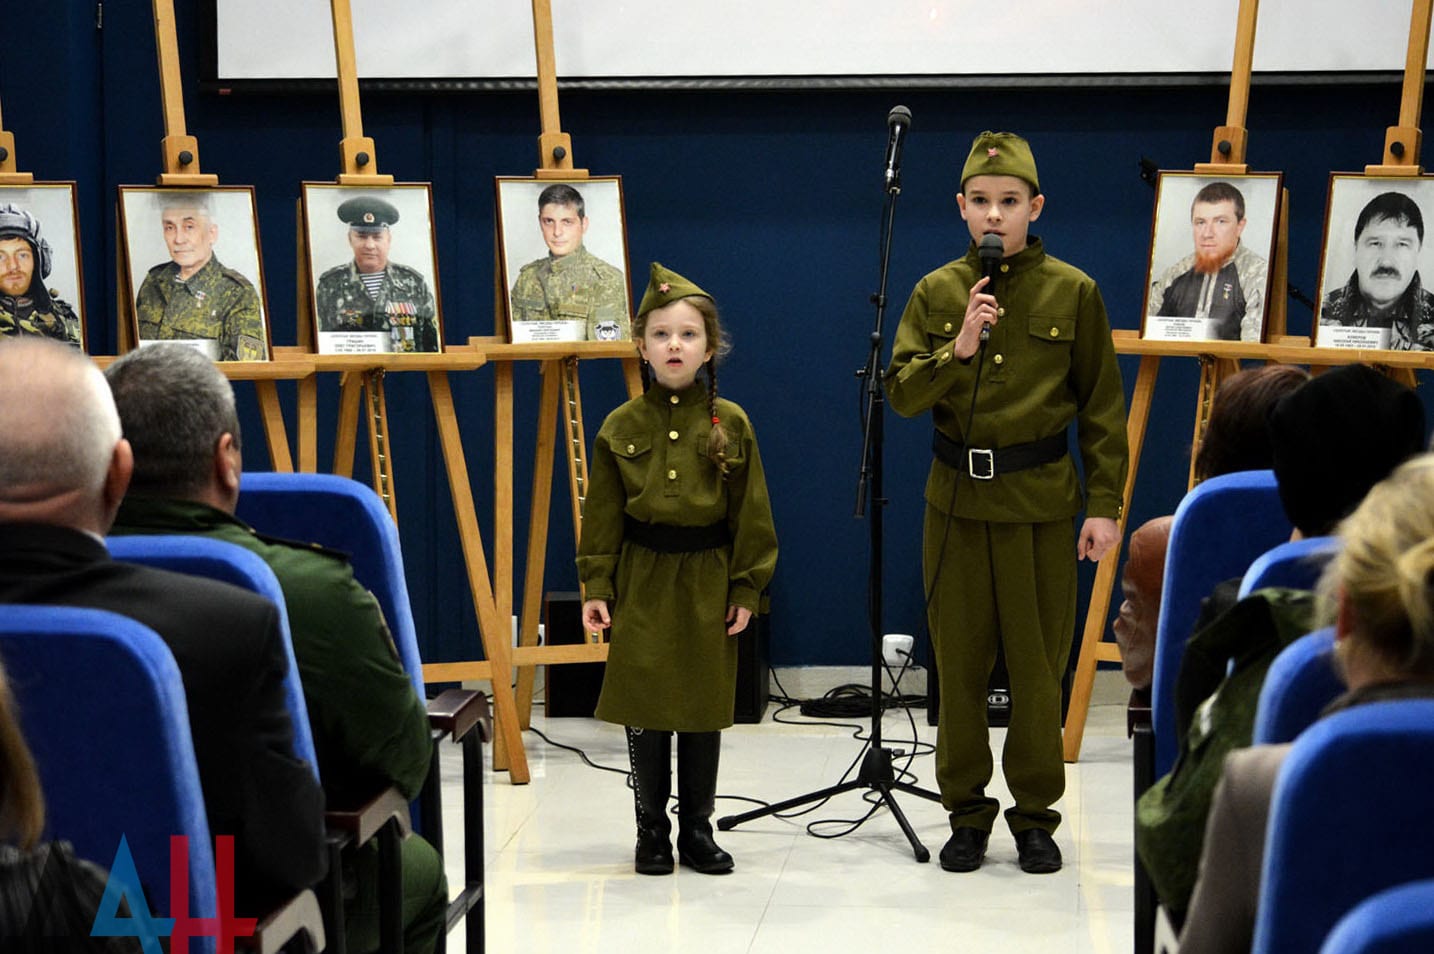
{"x":650,"y":752}
{"x":697,"y":754}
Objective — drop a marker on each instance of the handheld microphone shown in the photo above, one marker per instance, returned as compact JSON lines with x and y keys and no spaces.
{"x":990,"y":251}
{"x":897,"y":121}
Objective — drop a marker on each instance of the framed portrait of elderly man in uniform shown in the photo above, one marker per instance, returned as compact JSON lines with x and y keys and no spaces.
{"x":563,"y":246}
{"x":41,"y":286}
{"x":372,"y":268}
{"x":1211,"y":244}
{"x":194,"y":269}
{"x":1374,"y":264}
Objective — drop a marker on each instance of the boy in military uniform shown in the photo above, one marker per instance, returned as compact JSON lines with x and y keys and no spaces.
{"x":370,"y":293}
{"x":1001,"y":545}
{"x":193,"y":296}
{"x":27,"y":307}
{"x":570,"y":283}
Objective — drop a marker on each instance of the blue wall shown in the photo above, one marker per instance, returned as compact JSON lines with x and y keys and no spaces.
{"x":770,"y":200}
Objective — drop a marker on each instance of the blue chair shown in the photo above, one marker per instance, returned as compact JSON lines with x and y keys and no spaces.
{"x":1220,"y":527}
{"x":385,"y":816}
{"x":103,"y":709}
{"x":1300,"y":682}
{"x":1349,"y":817}
{"x":345,"y":515}
{"x":1397,"y":920}
{"x":1294,"y":564}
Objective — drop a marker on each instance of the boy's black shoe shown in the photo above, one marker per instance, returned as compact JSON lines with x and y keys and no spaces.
{"x":964,"y":850}
{"x":1038,"y":851}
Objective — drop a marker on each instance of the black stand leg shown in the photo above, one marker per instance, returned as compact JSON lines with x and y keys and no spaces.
{"x":876,"y":773}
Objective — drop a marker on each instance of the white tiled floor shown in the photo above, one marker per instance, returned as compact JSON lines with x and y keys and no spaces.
{"x":559,"y":854}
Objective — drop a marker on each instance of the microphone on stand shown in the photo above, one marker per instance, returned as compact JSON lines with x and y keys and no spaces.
{"x":990,"y":252}
{"x":897,"y":121}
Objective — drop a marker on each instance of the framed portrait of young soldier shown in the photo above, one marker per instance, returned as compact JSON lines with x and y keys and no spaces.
{"x":42,"y":290}
{"x":372,"y":268}
{"x":1211,"y":244}
{"x":1374,"y":264}
{"x":563,"y":249}
{"x":194,"y":269}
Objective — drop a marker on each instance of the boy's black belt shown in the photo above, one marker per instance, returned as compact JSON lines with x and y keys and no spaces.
{"x":983,"y":463}
{"x":668,"y":538}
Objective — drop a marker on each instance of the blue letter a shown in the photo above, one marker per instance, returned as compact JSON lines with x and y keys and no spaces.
{"x":123,"y":884}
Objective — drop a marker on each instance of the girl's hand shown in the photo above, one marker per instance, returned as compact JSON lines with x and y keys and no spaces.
{"x":595,"y":616}
{"x":737,"y":619}
{"x":1097,"y":535}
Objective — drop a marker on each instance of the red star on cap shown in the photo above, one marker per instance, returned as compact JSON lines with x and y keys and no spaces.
{"x":991,"y":153}
{"x":664,"y":288}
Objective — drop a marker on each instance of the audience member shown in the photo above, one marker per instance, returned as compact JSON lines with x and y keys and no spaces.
{"x":1377,"y":590}
{"x":63,"y":470}
{"x":370,"y":728}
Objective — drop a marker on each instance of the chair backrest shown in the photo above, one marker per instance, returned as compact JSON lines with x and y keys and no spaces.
{"x":345,"y":515}
{"x":1397,"y":920}
{"x":102,"y":708}
{"x":1300,"y":682}
{"x":1294,"y":564}
{"x":232,"y":564}
{"x":1349,"y":817}
{"x":1220,"y":527}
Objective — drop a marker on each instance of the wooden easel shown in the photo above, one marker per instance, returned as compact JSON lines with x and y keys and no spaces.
{"x":9,"y":174}
{"x":1219,"y":359}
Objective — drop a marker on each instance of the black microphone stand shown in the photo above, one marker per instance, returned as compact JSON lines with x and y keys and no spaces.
{"x":876,"y":772}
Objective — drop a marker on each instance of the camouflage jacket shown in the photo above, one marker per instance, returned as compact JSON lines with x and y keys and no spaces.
{"x":40,"y":313}
{"x":1411,"y":320}
{"x":577,"y":287}
{"x":215,"y":303}
{"x":404,"y":306}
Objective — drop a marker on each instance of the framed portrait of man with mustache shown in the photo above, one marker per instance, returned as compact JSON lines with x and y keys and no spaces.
{"x":1211,"y":244}
{"x":1372,"y":273}
{"x":42,"y":291}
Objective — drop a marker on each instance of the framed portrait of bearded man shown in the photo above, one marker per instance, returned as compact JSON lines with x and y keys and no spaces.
{"x":1210,"y":250}
{"x":42,"y":289}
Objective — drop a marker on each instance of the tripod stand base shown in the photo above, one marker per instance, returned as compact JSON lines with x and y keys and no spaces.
{"x":876,"y":774}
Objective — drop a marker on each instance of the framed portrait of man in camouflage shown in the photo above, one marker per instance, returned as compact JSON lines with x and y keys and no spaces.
{"x":1211,"y":245}
{"x":194,"y":269}
{"x":42,"y":291}
{"x":563,"y":246}
{"x":372,"y":268}
{"x":1375,"y":258}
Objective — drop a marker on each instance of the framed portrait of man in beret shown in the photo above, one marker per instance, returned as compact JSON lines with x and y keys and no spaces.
{"x":563,"y":246}
{"x":372,"y":268}
{"x":194,"y":270}
{"x":1375,"y":263}
{"x":1210,"y":250}
{"x":42,"y":289}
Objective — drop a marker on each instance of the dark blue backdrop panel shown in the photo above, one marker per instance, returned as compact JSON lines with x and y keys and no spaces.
{"x":770,"y":200}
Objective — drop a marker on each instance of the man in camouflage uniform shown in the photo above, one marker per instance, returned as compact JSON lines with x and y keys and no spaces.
{"x":571,"y":283}
{"x":26,"y":306}
{"x":193,"y":296}
{"x":370,"y":293}
{"x":1385,"y":290}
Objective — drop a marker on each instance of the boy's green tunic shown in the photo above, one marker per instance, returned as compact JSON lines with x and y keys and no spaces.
{"x":1008,"y":567}
{"x":671,"y":665}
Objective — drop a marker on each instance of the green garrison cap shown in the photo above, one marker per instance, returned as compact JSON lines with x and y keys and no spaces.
{"x":1001,"y":154}
{"x":664,"y":286}
{"x":368,"y":213}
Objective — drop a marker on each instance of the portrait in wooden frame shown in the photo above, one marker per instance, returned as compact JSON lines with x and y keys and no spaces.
{"x":372,"y":268}
{"x":563,"y":253}
{"x":1371,"y":286}
{"x":1210,"y":247}
{"x":194,"y":269}
{"x":42,"y":288}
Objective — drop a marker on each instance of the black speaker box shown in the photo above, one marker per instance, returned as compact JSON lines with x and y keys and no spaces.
{"x":572,"y":688}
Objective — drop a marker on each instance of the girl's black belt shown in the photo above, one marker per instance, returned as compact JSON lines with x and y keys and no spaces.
{"x":984,"y":463}
{"x":668,"y":538}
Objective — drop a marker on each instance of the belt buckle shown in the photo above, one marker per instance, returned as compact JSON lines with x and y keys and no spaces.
{"x":987,"y":458}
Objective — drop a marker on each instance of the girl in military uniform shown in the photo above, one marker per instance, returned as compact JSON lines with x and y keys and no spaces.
{"x":677,"y":547}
